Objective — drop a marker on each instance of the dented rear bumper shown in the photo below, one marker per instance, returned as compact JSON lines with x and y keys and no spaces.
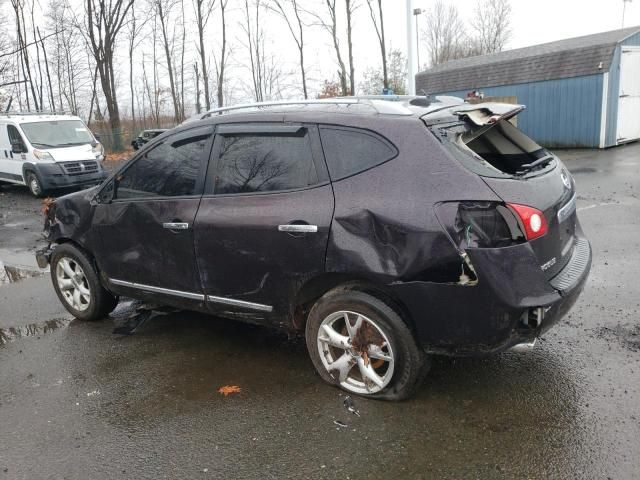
{"x":495,"y":314}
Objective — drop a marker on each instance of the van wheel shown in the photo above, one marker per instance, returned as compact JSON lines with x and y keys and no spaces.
{"x":359,"y":343}
{"x":34,"y":185}
{"x":77,"y":284}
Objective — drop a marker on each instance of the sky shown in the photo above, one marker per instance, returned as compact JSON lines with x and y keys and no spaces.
{"x":532,"y":22}
{"x":541,"y":21}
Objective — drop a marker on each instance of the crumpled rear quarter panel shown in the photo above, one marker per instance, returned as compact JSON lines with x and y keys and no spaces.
{"x":384,"y":223}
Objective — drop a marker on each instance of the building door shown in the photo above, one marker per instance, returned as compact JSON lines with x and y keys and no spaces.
{"x":629,"y":103}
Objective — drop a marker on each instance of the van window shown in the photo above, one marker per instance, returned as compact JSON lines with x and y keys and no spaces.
{"x":171,"y":169}
{"x":349,"y":151}
{"x":14,"y":136}
{"x":264,"y":163}
{"x":57,"y":133}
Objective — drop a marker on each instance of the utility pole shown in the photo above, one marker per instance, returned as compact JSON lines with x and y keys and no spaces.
{"x":411,"y":56}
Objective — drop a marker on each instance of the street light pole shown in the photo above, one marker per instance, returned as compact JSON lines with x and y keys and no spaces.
{"x":416,"y":12}
{"x":411,"y":57}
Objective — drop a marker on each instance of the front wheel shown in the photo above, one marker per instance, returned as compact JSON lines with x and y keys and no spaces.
{"x":77,"y":284}
{"x":359,"y":343}
{"x":35,"y":187}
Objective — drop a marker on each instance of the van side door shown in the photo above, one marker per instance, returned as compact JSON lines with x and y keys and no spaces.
{"x":10,"y":162}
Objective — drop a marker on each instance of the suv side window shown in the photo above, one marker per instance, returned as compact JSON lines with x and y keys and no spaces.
{"x":264,"y":163}
{"x":14,"y":136}
{"x":350,"y":150}
{"x":171,"y":169}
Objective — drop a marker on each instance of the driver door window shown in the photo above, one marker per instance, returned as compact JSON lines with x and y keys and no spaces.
{"x":171,"y":169}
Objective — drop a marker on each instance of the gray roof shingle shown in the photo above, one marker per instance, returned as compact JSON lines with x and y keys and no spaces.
{"x":572,"y":57}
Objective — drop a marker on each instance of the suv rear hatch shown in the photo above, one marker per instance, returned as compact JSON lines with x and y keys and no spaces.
{"x":516,"y":168}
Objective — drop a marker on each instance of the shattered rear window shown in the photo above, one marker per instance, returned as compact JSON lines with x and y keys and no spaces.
{"x":496,"y":150}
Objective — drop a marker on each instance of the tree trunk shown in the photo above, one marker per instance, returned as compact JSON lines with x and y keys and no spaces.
{"x":172,"y":81}
{"x":203,"y":55}
{"x":223,"y":60}
{"x":352,"y":80}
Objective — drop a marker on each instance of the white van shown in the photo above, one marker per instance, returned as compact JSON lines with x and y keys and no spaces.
{"x":48,"y":151}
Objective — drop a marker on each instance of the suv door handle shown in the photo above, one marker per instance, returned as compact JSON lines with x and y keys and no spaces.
{"x":175,"y":226}
{"x":298,"y":228}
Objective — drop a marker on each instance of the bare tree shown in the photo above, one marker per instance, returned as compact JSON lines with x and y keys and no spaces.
{"x":203,"y":9}
{"x":492,"y":24}
{"x":163,"y":12}
{"x":105,"y":19}
{"x":196,"y":76}
{"x":378,"y":24}
{"x":134,"y":29}
{"x":331,"y":26}
{"x":221,"y":63}
{"x":265,"y":72}
{"x":18,"y":9}
{"x":296,"y":28}
{"x":445,"y":33}
{"x":350,"y":8}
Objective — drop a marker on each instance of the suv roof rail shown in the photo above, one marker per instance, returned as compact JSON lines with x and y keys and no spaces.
{"x":280,"y":103}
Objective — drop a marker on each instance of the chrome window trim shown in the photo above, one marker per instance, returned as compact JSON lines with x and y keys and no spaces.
{"x":240,"y":303}
{"x":151,"y":288}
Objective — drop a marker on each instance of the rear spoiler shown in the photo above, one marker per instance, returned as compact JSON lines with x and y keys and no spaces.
{"x":480,"y":114}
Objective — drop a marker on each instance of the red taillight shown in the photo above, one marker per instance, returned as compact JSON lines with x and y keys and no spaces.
{"x":532,"y":219}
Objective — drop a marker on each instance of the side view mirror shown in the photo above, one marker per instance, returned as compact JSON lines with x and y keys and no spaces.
{"x":108,"y":192}
{"x":17,"y":146}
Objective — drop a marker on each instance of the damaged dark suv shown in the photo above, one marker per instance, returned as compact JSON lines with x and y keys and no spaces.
{"x":386,"y":231}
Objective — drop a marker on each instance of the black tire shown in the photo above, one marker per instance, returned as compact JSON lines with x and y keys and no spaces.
{"x":100,"y":303}
{"x":34,"y":184}
{"x":410,"y":363}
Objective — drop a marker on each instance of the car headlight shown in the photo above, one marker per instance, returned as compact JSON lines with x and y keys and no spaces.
{"x":42,"y":155}
{"x":98,"y":150}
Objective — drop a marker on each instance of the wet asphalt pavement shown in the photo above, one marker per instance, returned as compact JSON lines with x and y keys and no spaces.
{"x":78,"y":402}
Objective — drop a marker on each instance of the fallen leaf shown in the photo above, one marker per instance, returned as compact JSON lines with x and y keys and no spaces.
{"x":229,"y":389}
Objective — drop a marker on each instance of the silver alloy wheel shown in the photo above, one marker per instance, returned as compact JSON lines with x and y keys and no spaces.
{"x":349,"y":339}
{"x":73,"y":283}
{"x":34,"y":186}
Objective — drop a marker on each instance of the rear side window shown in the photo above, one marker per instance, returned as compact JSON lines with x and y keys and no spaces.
{"x":251,"y":163}
{"x":169,"y":170}
{"x":349,"y":151}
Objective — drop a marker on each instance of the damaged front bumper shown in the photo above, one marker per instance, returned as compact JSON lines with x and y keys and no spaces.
{"x":512,"y":303}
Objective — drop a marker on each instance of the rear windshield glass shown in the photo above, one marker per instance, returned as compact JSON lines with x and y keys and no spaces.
{"x":57,"y":133}
{"x":500,"y":149}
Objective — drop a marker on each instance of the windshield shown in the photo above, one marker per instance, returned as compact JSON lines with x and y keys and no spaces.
{"x":57,"y":133}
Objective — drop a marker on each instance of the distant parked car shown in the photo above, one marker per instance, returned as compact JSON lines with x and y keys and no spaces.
{"x":145,"y":136}
{"x":386,"y":232}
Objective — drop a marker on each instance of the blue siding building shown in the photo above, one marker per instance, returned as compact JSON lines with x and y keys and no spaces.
{"x":580,"y":92}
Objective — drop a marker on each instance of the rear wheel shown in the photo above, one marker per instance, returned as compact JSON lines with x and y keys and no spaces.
{"x":359,"y":343}
{"x":77,"y":284}
{"x":34,"y":185}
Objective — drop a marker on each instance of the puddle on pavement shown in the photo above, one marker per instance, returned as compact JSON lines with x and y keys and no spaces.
{"x":15,"y":273}
{"x":9,"y":334}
